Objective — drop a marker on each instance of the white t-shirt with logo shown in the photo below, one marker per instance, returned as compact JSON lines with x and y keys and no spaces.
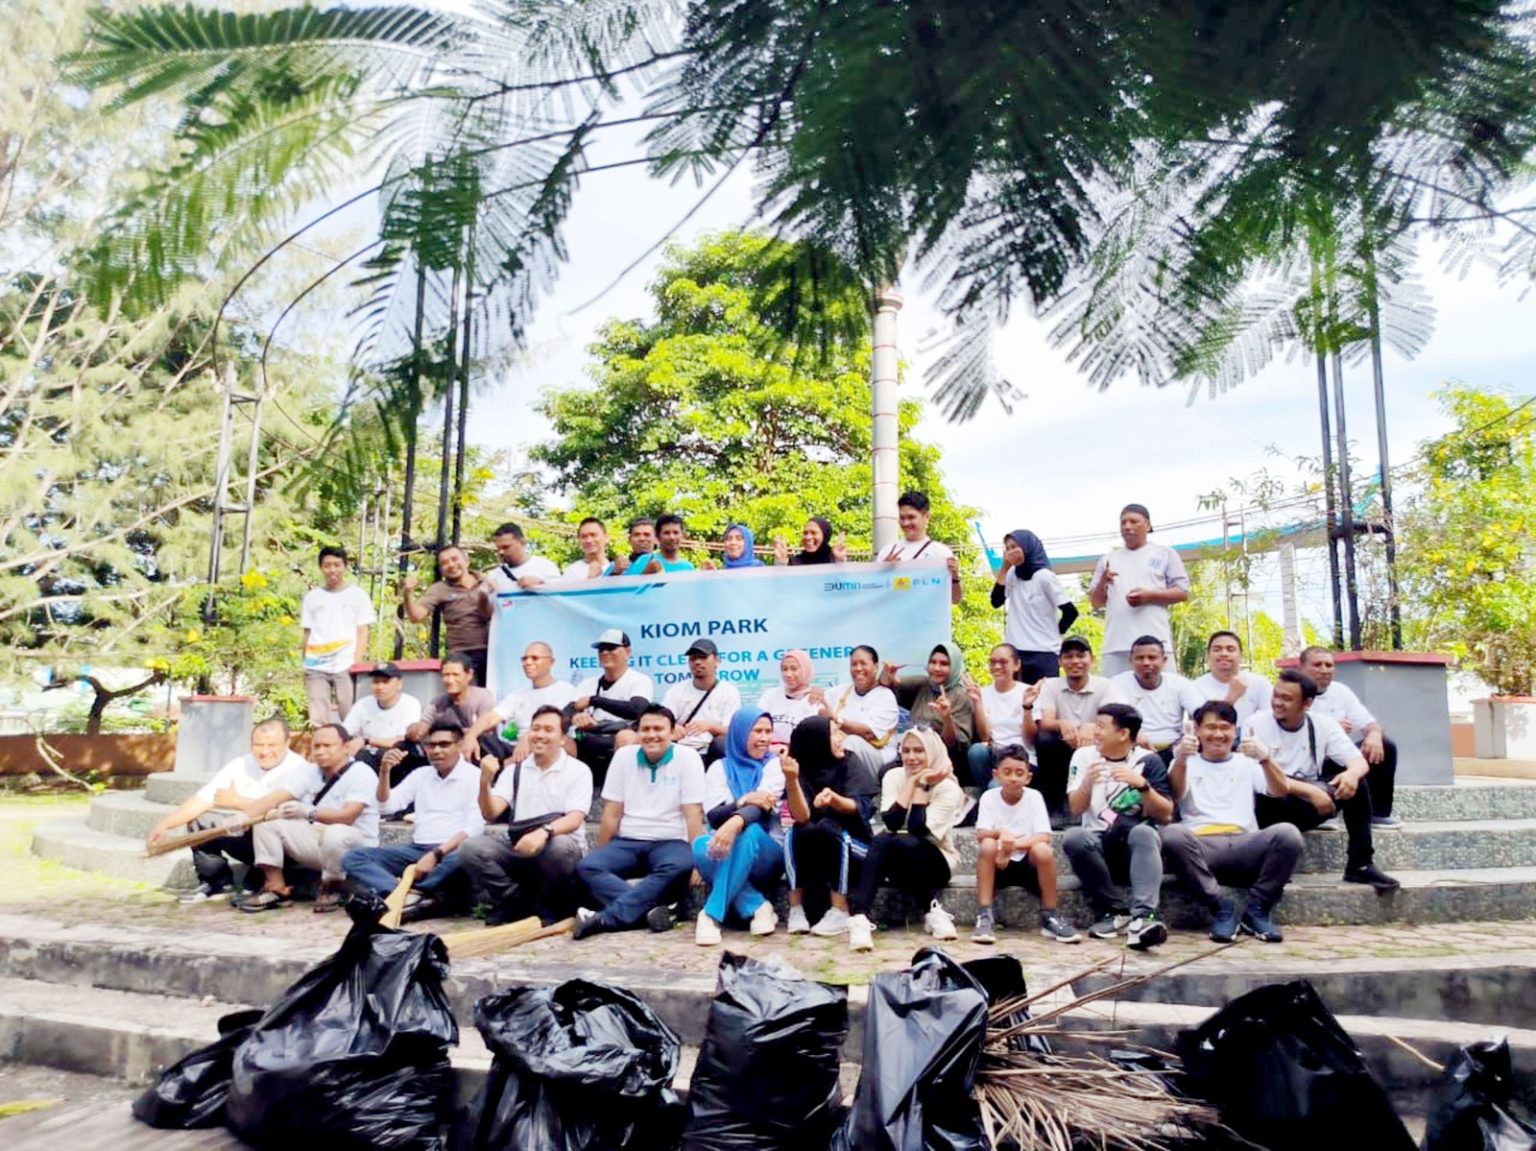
{"x":1023,"y":819}
{"x":519,"y":707}
{"x":358,"y":784}
{"x":1222,"y":792}
{"x":1005,"y":713}
{"x":786,"y":713}
{"x":562,"y":787}
{"x":1340,"y":702}
{"x":332,"y":619}
{"x":504,"y":577}
{"x":445,"y":805}
{"x":1150,"y":566}
{"x":249,"y":780}
{"x":1254,"y":701}
{"x":905,"y":549}
{"x":653,"y":799}
{"x":722,"y":703}
{"x":1102,"y":809}
{"x":382,"y":724}
{"x":717,"y":790}
{"x":627,"y":686}
{"x":1031,"y":621}
{"x":876,"y":709}
{"x":1292,"y":750}
{"x":1162,"y":708}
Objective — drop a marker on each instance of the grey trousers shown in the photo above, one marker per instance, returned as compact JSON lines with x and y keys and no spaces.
{"x":1261,"y":861}
{"x":318,"y":845}
{"x":499,"y":876}
{"x":1138,"y":854}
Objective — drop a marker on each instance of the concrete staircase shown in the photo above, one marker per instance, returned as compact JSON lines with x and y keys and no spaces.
{"x":1465,"y":852}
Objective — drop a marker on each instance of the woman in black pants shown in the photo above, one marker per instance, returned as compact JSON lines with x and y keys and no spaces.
{"x":919,"y":807}
{"x":830,"y":796}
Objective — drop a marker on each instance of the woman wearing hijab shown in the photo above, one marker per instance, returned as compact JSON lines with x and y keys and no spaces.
{"x":816,"y":546}
{"x":738,"y":548}
{"x":938,"y":699}
{"x":914,"y":851}
{"x":796,"y":697}
{"x":830,"y":795}
{"x":1034,"y":596}
{"x":741,"y":803}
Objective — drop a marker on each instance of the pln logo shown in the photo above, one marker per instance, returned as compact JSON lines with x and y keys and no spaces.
{"x":902,"y":583}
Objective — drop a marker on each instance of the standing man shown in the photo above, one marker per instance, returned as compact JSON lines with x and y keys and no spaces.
{"x":518,"y":567}
{"x":1135,"y":587}
{"x":446,"y":795}
{"x":337,"y":812}
{"x":1324,"y":773}
{"x":502,"y":732}
{"x":335,"y":618}
{"x":378,"y":722}
{"x":669,"y":534}
{"x":1064,"y":718}
{"x":703,"y":704}
{"x":1162,"y":698}
{"x":533,"y":872}
{"x":1247,"y":691}
{"x":642,"y":558}
{"x":607,"y":705}
{"x":592,"y":537}
{"x":912,"y":513}
{"x":463,"y":599}
{"x":1338,"y":702}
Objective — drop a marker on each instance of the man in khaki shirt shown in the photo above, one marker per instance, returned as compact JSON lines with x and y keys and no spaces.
{"x":465,"y":601}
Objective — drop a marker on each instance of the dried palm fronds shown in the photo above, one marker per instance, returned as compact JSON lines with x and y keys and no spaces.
{"x":491,"y":940}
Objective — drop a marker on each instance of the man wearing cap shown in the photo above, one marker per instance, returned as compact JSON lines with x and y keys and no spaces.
{"x":1064,"y":718}
{"x":702,"y":703}
{"x":378,"y":722}
{"x":607,"y":705}
{"x":1338,"y":702}
{"x":1134,"y":587}
{"x":502,"y":733}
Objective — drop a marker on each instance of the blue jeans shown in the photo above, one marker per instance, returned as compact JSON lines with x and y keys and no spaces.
{"x":380,"y":868}
{"x":980,"y":760}
{"x":754,"y":859}
{"x":662,"y":865}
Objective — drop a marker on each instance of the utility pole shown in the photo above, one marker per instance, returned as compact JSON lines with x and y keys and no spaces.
{"x":885,"y":458}
{"x":1331,"y":528}
{"x":1346,"y":505}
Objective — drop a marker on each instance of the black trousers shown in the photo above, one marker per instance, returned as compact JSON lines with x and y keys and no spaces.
{"x":1053,"y":754}
{"x":211,"y":859}
{"x":910,"y":863}
{"x":1356,"y":812}
{"x":1383,"y":779}
{"x":1037,"y":665}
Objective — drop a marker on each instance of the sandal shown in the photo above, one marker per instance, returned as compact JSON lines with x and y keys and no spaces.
{"x":327,"y":901}
{"x":265,"y":901}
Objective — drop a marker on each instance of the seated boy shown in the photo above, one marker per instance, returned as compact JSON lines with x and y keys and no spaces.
{"x":1013,"y":848}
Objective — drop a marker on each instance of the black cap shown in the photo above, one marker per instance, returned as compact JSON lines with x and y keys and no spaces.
{"x":1076,"y":643}
{"x":703,"y":647}
{"x":1141,"y":510}
{"x":385,"y":671}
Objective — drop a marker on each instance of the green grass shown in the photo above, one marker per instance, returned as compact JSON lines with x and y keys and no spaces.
{"x":34,"y":883}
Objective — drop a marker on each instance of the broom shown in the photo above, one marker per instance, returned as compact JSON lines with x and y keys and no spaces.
{"x":198,"y":838}
{"x":493,"y":940}
{"x":395,"y":900}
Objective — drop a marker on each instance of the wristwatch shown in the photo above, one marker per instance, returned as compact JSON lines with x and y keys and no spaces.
{"x":549,"y":830}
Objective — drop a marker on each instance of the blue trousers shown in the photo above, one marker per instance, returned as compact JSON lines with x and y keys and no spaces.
{"x":663,"y":867}
{"x":380,"y":868}
{"x":754,"y":859}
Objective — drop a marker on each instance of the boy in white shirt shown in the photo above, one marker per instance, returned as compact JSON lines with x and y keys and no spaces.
{"x":1134,"y":587}
{"x":1013,"y":848}
{"x":912,"y":512}
{"x":335,"y":618}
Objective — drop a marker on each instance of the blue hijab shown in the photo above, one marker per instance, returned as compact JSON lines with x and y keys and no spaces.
{"x":747,"y":560}
{"x":742,"y":773}
{"x":1035,"y":558}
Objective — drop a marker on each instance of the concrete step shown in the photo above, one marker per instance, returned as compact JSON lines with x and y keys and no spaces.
{"x":75,"y":843}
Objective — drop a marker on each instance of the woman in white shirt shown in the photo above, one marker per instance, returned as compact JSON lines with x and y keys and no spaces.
{"x":999,"y":711}
{"x":795,"y":697}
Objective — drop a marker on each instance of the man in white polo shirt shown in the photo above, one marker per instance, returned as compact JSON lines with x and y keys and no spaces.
{"x":1339,"y":702}
{"x":502,"y":733}
{"x":1246,"y":691}
{"x":517,"y":567}
{"x":379,"y":721}
{"x":1134,"y":587}
{"x":913,"y":512}
{"x":703,"y":703}
{"x":653,"y":810}
{"x":1064,"y":718}
{"x":1163,"y":698}
{"x":446,"y":794}
{"x":866,"y":712}
{"x":546,"y":797}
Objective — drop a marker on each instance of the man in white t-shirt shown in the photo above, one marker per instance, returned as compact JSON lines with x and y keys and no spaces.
{"x":703,"y":703}
{"x":546,"y":797}
{"x":1326,"y":775}
{"x":1163,"y":698}
{"x":502,"y":732}
{"x":1217,"y":838}
{"x":336,"y":812}
{"x":606,"y":706}
{"x":592,"y":538}
{"x":653,"y":810}
{"x":1134,"y":587}
{"x":912,"y":512}
{"x":1063,"y":718}
{"x":866,"y":712}
{"x":249,"y":786}
{"x":1339,"y":702}
{"x":1013,"y":849}
{"x":1246,"y":691}
{"x":379,"y":721}
{"x":335,"y":619}
{"x":517,"y":567}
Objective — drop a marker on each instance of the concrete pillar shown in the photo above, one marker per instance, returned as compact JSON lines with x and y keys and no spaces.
{"x":885,"y":454}
{"x":212,"y":730}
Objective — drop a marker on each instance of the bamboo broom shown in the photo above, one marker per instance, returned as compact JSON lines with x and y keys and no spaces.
{"x":198,"y":838}
{"x":493,"y":940}
{"x":395,"y":900}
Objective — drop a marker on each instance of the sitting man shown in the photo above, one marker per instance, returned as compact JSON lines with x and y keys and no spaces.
{"x":248,"y":786}
{"x":462,"y":703}
{"x":518,"y":568}
{"x":1063,"y":718}
{"x":336,"y":812}
{"x":1246,"y":691}
{"x":1162,"y":698}
{"x":704,"y":703}
{"x":653,"y":810}
{"x":1121,"y":793}
{"x":607,"y":705}
{"x":530,"y":872}
{"x":378,"y":722}
{"x":866,"y":713}
{"x":1324,"y":772}
{"x":1338,"y":702}
{"x":502,"y":732}
{"x":446,"y":794}
{"x":1217,"y":836}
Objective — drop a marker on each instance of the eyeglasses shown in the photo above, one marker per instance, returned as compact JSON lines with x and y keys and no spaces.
{"x":440,"y":745}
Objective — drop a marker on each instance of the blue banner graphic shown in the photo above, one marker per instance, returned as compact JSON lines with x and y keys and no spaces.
{"x":753,"y":616}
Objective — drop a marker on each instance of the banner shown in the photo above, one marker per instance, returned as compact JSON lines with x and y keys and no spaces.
{"x":753,"y":615}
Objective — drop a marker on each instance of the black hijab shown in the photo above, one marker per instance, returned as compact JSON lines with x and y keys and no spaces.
{"x":1035,"y":558}
{"x":823,"y":554}
{"x":810,"y":743}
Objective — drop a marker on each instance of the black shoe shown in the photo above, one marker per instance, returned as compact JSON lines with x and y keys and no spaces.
{"x":1373,"y":875}
{"x":425,"y":907}
{"x":660,"y":919}
{"x":587,"y":923}
{"x":1224,"y":921}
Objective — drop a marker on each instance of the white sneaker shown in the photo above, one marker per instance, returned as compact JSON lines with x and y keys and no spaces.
{"x":834,"y":922}
{"x":797,"y":923}
{"x":764,"y":920}
{"x":861,"y":933}
{"x":939,"y":923}
{"x":706,"y":932}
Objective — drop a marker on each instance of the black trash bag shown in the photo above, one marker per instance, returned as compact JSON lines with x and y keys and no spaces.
{"x":1002,"y":977}
{"x":767,"y":1075}
{"x":579,"y":1067}
{"x":1285,"y":1075}
{"x":1474,"y":1108}
{"x":191,"y":1092}
{"x":355,"y":1053}
{"x":923,"y":1033}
